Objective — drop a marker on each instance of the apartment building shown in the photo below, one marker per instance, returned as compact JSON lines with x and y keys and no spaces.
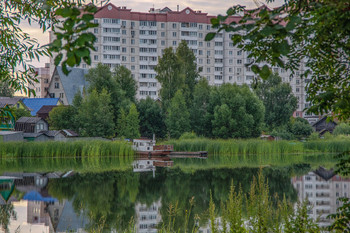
{"x":148,"y":217}
{"x":322,"y":188}
{"x":43,"y":77}
{"x":136,"y":40}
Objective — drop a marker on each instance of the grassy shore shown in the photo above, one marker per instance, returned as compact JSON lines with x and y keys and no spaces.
{"x":260,"y":147}
{"x":65,"y":149}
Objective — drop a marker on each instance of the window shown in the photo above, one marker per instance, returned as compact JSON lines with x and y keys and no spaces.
{"x":208,"y":61}
{"x":124,"y":41}
{"x":132,"y":41}
{"x":132,"y":67}
{"x":162,"y":34}
{"x":208,"y":44}
{"x":297,"y":81}
{"x":61,"y":95}
{"x":297,"y":89}
{"x":123,"y":50}
{"x":200,"y":44}
{"x":200,"y":35}
{"x":95,"y":30}
{"x":162,"y":42}
{"x":174,"y":43}
{"x":208,"y":53}
{"x":162,"y":25}
{"x":132,"y":59}
{"x":230,"y":53}
{"x":57,"y":85}
{"x":174,"y":34}
{"x":174,"y":25}
{"x":132,"y":50}
{"x":200,"y":26}
{"x":124,"y":32}
{"x":239,"y":61}
{"x":132,"y":24}
{"x":208,"y":27}
{"x":123,"y":58}
{"x":208,"y":69}
{"x":200,"y":52}
{"x":200,"y":61}
{"x":239,"y":52}
{"x":124,"y":23}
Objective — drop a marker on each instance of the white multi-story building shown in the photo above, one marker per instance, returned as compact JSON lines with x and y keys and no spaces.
{"x":148,"y":217}
{"x":43,"y":77}
{"x":322,"y":188}
{"x":136,"y":40}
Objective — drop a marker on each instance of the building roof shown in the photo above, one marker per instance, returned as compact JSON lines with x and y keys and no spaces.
{"x":32,"y":135}
{"x":35,"y":104}
{"x":70,"y":133}
{"x":73,"y":82}
{"x":324,"y":173}
{"x":10,"y":101}
{"x":29,"y":120}
{"x":46,"y":109}
{"x":51,"y":133}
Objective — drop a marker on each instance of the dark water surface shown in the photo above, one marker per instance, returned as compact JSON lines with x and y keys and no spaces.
{"x":60,"y":195}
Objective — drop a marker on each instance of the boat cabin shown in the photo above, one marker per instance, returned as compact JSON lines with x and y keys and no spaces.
{"x":143,"y":144}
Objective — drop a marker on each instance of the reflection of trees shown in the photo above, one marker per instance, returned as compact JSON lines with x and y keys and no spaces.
{"x":6,"y":212}
{"x":111,"y":196}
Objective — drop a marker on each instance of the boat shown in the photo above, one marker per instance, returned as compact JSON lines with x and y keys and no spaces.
{"x":148,"y":147}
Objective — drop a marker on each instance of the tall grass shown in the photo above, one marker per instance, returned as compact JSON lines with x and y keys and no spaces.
{"x":65,"y":149}
{"x":260,"y":147}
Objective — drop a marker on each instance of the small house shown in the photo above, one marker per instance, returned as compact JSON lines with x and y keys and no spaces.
{"x":323,"y":125}
{"x":31,"y":125}
{"x":44,"y":111}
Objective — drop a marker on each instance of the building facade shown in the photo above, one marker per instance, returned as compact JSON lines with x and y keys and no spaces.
{"x":136,"y":40}
{"x":43,"y":77}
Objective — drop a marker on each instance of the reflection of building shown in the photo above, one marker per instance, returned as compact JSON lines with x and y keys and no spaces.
{"x":322,"y":188}
{"x":147,"y":217}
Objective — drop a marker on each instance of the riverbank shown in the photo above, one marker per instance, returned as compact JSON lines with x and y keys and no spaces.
{"x":260,"y":147}
{"x":57,"y":149}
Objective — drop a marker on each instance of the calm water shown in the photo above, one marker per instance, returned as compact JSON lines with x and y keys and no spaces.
{"x":59,"y":195}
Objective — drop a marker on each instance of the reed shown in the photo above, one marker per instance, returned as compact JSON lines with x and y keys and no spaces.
{"x":56,"y":149}
{"x":259,"y":147}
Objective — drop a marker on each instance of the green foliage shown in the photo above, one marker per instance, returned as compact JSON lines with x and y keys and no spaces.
{"x":20,"y":112}
{"x":199,"y":111}
{"x":62,"y":117}
{"x":168,"y":76}
{"x":238,"y":113}
{"x":177,"y":71}
{"x":102,"y":78}
{"x":152,"y":118}
{"x":341,"y":217}
{"x":300,"y":128}
{"x":6,"y":90}
{"x":188,"y":135}
{"x":126,"y":82}
{"x":6,"y":213}
{"x":76,"y":19}
{"x":95,"y":115}
{"x":65,"y":149}
{"x":314,"y":136}
{"x":121,"y":123}
{"x":178,"y":118}
{"x":278,"y":99}
{"x":132,"y":123}
{"x":314,"y":32}
{"x":342,"y":129}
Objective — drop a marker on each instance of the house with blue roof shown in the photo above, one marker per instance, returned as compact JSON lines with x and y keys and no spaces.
{"x":66,"y":87}
{"x":35,"y":104}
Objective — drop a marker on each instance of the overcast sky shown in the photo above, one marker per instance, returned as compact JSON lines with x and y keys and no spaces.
{"x":212,"y":7}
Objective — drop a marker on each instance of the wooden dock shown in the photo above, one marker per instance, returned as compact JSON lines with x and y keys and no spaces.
{"x":196,"y":154}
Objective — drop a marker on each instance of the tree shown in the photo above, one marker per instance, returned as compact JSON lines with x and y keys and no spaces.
{"x":126,"y":82}
{"x":121,"y":123}
{"x":132,"y":123}
{"x":95,"y":115}
{"x":168,"y":76}
{"x":178,"y":118}
{"x":300,"y":128}
{"x":278,"y":100}
{"x":62,"y":117}
{"x":6,"y":90}
{"x":237,"y":112}
{"x":188,"y":64}
{"x":313,"y":32}
{"x":101,"y":78}
{"x":151,"y":118}
{"x":20,"y":112}
{"x":199,"y":108}
{"x":342,"y":129}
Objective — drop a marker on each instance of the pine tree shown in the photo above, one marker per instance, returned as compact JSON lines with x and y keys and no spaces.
{"x":132,"y":123}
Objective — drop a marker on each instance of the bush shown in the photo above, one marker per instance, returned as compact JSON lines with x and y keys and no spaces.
{"x":188,"y":135}
{"x":314,"y":136}
{"x":342,"y":129}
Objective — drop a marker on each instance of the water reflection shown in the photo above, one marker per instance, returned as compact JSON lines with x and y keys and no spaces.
{"x":109,"y":198}
{"x":322,"y":188}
